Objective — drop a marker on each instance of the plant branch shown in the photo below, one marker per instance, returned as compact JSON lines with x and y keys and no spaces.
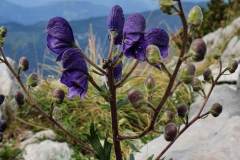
{"x":171,"y":82}
{"x":127,"y":75}
{"x":114,"y":115}
{"x":196,"y":118}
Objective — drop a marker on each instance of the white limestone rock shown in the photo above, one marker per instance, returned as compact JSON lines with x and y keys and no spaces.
{"x":47,"y":150}
{"x":47,"y":134}
{"x":8,"y":85}
{"x":208,"y":139}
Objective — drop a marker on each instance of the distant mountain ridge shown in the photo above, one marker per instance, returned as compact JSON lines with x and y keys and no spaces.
{"x":71,"y":10}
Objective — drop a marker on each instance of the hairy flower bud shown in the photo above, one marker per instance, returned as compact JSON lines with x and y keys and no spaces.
{"x":2,"y":97}
{"x":32,"y":80}
{"x":198,"y":49}
{"x":24,"y":63}
{"x":135,"y":97}
{"x":187,"y":73}
{"x":3,"y":32}
{"x":170,"y":132}
{"x":195,"y":16}
{"x":153,"y":54}
{"x":166,"y":6}
{"x":216,"y":109}
{"x":3,"y":125}
{"x":150,"y":83}
{"x":207,"y":75}
{"x":182,"y":110}
{"x":233,"y":65}
{"x":19,"y":98}
{"x":58,"y":95}
{"x":196,"y":84}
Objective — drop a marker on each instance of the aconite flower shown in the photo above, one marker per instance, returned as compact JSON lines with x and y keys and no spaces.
{"x":159,"y":38}
{"x":133,"y":33}
{"x":117,"y":70}
{"x":115,"y":22}
{"x":136,"y":41}
{"x":75,"y":72}
{"x":59,"y":36}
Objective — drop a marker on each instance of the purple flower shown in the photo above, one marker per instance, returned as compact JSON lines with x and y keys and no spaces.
{"x":117,"y":71}
{"x":135,"y":24}
{"x":115,"y":22}
{"x":60,"y":36}
{"x":159,"y":38}
{"x":133,"y":32}
{"x":75,"y":74}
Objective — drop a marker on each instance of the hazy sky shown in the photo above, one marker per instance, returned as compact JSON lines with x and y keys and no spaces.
{"x":42,"y":2}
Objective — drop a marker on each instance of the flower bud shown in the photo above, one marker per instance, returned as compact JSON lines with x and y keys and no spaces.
{"x":187,"y":73}
{"x":3,"y":32}
{"x":2,"y":97}
{"x":153,"y":54}
{"x":1,"y":136}
{"x":196,"y":84}
{"x":233,"y":66}
{"x":216,"y":55}
{"x":58,"y":95}
{"x":182,"y":110}
{"x":166,"y":6}
{"x":150,"y":83}
{"x":135,"y":97}
{"x":216,"y":109}
{"x":32,"y":80}
{"x":3,"y":125}
{"x":19,"y":98}
{"x":198,"y":49}
{"x":170,"y":132}
{"x":207,"y":75}
{"x":195,"y":16}
{"x":24,"y":63}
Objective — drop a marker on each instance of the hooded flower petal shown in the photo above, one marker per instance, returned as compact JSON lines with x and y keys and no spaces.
{"x":75,"y":73}
{"x":134,"y":37}
{"x":117,"y":71}
{"x":115,"y":22}
{"x":135,"y":24}
{"x":159,"y":38}
{"x":60,"y":36}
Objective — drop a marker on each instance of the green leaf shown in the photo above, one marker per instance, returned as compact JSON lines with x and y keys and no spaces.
{"x":95,"y":141}
{"x":101,"y":152}
{"x":151,"y":157}
{"x":132,"y":157}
